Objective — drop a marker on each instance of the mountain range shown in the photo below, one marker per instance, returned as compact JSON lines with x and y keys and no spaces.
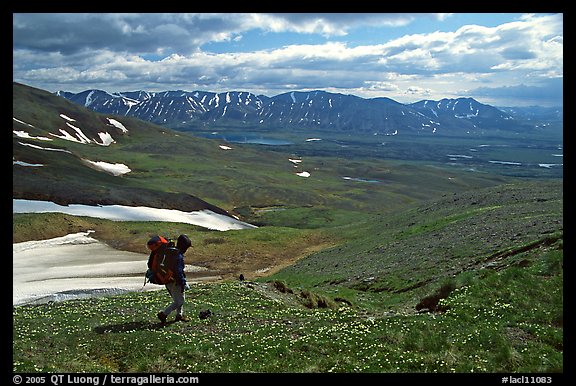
{"x":66,"y":153}
{"x":313,"y":110}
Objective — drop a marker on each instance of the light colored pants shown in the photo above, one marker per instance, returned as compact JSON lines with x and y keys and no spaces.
{"x":175,"y":291}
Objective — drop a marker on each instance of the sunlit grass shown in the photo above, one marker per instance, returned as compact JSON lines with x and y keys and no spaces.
{"x":482,"y":331}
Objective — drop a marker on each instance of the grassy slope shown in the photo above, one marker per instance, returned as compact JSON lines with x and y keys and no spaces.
{"x":499,"y":261}
{"x":372,"y":246}
{"x":435,"y":240}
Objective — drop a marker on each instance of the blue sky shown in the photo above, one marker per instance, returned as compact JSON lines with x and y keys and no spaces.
{"x":502,"y":59}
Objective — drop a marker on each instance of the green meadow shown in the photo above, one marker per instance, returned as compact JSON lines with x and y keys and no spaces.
{"x":356,"y":306}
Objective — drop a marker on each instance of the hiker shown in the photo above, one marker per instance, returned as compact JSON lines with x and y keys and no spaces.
{"x":178,"y":285}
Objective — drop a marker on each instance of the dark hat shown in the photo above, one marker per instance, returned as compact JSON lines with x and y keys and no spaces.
{"x":183,"y":243}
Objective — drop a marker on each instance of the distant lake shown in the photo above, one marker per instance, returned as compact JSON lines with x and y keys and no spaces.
{"x":248,"y":138}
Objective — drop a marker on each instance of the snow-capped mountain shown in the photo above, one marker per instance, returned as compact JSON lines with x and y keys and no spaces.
{"x":304,"y":110}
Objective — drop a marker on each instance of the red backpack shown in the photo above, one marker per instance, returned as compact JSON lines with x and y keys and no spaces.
{"x":162,"y":262}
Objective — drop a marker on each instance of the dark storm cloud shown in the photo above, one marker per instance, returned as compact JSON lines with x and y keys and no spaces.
{"x":132,"y":33}
{"x":69,"y":33}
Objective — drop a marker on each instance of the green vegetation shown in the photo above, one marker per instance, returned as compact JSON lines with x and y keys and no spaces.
{"x":496,"y":321}
{"x":396,"y":255}
{"x":486,"y":296}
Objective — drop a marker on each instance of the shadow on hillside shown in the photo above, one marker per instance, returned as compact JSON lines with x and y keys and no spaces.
{"x":130,"y":326}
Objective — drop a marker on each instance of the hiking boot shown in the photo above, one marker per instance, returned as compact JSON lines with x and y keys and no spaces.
{"x":181,"y":318}
{"x":162,"y":316}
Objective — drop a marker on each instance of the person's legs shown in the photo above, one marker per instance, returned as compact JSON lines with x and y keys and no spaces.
{"x":177,"y":299}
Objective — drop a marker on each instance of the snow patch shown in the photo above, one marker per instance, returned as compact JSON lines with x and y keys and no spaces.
{"x":23,"y":134}
{"x":22,"y":122}
{"x":204,"y":218}
{"x":106,"y":139}
{"x":21,"y":163}
{"x":119,"y":125}
{"x":114,"y":169}
{"x":44,"y":148}
{"x":67,"y":118}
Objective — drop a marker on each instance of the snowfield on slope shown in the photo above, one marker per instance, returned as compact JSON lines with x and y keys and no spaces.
{"x":79,"y":266}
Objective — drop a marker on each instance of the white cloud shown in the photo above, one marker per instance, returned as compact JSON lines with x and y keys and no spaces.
{"x":336,"y":24}
{"x":523,"y":50}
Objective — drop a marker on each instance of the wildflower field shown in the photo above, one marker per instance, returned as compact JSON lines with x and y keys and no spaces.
{"x":506,"y":321}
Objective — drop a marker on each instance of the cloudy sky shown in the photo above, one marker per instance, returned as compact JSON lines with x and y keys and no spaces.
{"x":503,"y":59}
